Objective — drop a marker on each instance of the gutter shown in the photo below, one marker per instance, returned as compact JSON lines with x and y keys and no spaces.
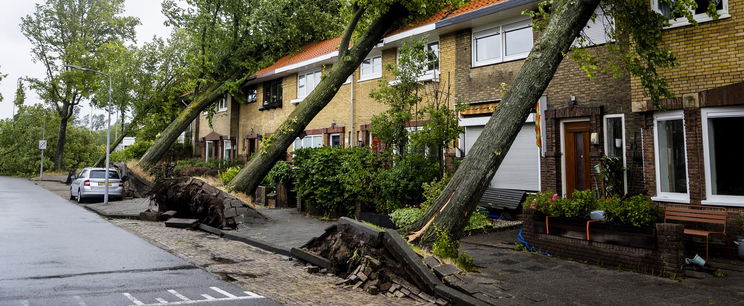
{"x":498,"y":7}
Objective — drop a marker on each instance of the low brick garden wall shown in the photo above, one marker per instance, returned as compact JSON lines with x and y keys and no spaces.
{"x":667,"y":258}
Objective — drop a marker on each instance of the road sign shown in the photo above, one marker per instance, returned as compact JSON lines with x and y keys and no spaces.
{"x":42,"y":144}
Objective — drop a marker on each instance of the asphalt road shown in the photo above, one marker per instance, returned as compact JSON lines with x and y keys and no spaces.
{"x":53,"y":252}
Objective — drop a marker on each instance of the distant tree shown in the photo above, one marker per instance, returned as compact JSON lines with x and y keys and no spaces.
{"x":77,"y":32}
{"x":2,"y":76}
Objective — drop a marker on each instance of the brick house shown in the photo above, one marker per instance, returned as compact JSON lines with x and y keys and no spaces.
{"x":689,"y":147}
{"x":218,"y":140}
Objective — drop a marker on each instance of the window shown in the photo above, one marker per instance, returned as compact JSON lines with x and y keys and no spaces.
{"x":502,"y":43}
{"x":227,"y":152}
{"x":614,"y":136}
{"x":371,"y":68}
{"x":251,"y":95}
{"x":222,"y":104}
{"x":306,"y":82}
{"x":335,"y":140}
{"x":671,"y":158}
{"x":208,"y":150}
{"x":433,"y":53}
{"x":272,"y":94}
{"x":699,"y":13}
{"x":99,"y":174}
{"x":309,"y":141}
{"x":724,"y":182}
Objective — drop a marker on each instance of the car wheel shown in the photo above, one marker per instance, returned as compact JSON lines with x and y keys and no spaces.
{"x":79,"y":197}
{"x":72,"y":197}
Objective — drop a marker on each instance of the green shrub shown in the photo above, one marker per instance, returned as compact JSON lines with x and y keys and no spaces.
{"x":637,"y":211}
{"x":403,"y":217}
{"x":402,"y":185}
{"x":465,"y":262}
{"x":281,"y":173}
{"x":580,"y":205}
{"x":542,"y":201}
{"x":229,"y":174}
{"x":217,"y":164}
{"x":478,"y":221}
{"x":433,"y":189}
{"x":444,"y":246}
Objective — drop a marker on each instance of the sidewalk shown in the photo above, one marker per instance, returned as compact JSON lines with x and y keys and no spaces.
{"x":126,"y":208}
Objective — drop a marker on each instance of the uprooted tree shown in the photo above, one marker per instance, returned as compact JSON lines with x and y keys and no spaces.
{"x":229,"y":41}
{"x":380,"y":17}
{"x":637,"y":50}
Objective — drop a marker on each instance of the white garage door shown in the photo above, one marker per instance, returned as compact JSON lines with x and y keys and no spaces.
{"x":520,"y":169}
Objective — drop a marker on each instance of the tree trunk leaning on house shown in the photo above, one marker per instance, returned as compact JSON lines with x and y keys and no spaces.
{"x":275,"y":146}
{"x":450,"y":211}
{"x":203,"y":100}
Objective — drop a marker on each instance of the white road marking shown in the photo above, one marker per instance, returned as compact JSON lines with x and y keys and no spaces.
{"x":184,"y":300}
{"x":79,"y":300}
{"x":225,"y":293}
{"x":178,"y":295}
{"x":133,"y":299}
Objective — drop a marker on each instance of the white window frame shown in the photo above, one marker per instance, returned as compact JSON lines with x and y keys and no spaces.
{"x":429,"y":75}
{"x":314,"y":139}
{"x":207,"y":145}
{"x":226,"y":145}
{"x":222,"y":104}
{"x":676,"y":197}
{"x":330,"y":139}
{"x":303,"y":92}
{"x":610,"y":142}
{"x":710,"y":198}
{"x":682,"y":21}
{"x":376,"y":72}
{"x":501,"y":30}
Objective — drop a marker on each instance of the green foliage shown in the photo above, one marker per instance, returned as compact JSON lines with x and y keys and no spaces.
{"x":134,"y":151}
{"x":19,"y":136}
{"x":281,"y":173}
{"x":580,"y":205}
{"x":543,"y":202}
{"x":611,"y":170}
{"x":216,"y":164}
{"x":637,"y":211}
{"x":444,"y":246}
{"x":432,"y":190}
{"x":318,"y":182}
{"x":228,"y":174}
{"x":403,"y":217}
{"x":402,"y":184}
{"x":478,"y":220}
{"x":465,"y":262}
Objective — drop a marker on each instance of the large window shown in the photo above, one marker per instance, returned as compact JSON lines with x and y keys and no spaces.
{"x":227,"y":152}
{"x":433,"y":53}
{"x":724,"y":169}
{"x":371,"y":68}
{"x":699,"y":13}
{"x":502,"y":43}
{"x":671,"y":159}
{"x":306,"y":82}
{"x":309,"y":141}
{"x":614,"y":136}
{"x":272,"y":94}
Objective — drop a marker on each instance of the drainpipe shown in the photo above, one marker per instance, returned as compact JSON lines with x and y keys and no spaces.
{"x":352,"y":138}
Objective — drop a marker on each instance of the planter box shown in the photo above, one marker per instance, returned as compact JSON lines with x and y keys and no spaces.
{"x":617,"y":234}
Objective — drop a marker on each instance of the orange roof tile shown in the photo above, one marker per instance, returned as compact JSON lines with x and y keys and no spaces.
{"x":316,"y":49}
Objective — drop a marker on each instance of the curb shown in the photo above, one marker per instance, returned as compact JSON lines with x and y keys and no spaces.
{"x":116,"y":216}
{"x":245,"y":239}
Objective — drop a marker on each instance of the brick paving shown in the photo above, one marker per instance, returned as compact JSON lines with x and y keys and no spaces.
{"x":274,"y":276}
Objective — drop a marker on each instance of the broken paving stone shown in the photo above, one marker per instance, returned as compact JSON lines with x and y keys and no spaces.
{"x":399,"y":294}
{"x":324,"y":271}
{"x":385,"y":286}
{"x":431,"y":261}
{"x":362,"y":276}
{"x":181,"y":223}
{"x":393,"y":287}
{"x":149,"y":215}
{"x":446,"y":270}
{"x":373,"y":290}
{"x":313,"y":269}
{"x":357,"y":285}
{"x":426,"y":297}
{"x":441,"y":302}
{"x":372,"y":261}
{"x":167,"y":215}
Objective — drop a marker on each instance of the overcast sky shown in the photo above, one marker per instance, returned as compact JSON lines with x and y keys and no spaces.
{"x":15,"y":60}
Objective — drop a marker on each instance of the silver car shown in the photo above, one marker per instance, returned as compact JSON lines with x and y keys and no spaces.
{"x":90,"y":183}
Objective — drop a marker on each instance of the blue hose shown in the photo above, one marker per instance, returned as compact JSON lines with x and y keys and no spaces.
{"x":527,"y":245}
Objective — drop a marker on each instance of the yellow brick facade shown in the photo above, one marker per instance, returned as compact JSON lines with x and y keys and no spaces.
{"x":710,"y":55}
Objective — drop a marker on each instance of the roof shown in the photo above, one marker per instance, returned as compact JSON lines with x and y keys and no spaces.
{"x":326,"y":47}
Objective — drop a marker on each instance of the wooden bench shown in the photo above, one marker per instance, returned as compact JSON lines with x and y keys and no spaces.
{"x":706,"y":215}
{"x":497,"y":198}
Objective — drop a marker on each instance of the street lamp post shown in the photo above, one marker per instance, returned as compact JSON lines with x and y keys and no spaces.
{"x":108,"y":130}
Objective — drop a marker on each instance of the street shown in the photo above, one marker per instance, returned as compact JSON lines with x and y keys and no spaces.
{"x":53,"y":252}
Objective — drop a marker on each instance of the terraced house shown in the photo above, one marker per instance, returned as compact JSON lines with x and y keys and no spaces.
{"x":683,"y":154}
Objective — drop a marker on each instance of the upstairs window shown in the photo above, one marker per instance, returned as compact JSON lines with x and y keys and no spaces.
{"x":433,"y":53}
{"x":502,"y":43}
{"x":222,"y":104}
{"x":251,"y":95}
{"x":272,"y":95}
{"x":306,"y":82}
{"x":699,"y":13}
{"x":371,"y":68}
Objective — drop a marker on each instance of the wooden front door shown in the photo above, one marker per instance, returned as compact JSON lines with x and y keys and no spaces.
{"x":576,"y":139}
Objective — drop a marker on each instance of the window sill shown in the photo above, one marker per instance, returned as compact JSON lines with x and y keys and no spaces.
{"x":368,"y":78}
{"x":734,"y":203}
{"x":507,"y":59}
{"x":297,"y":101}
{"x":671,"y":200}
{"x":424,"y":78}
{"x":222,"y":110}
{"x":683,"y":22}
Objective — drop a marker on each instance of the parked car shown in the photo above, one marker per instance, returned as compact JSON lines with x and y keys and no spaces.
{"x":90,"y":183}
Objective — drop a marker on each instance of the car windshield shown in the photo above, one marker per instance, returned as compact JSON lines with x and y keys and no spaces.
{"x":99,"y":174}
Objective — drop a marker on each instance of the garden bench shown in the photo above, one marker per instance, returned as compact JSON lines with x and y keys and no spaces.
{"x":497,"y":198}
{"x":685,"y":213}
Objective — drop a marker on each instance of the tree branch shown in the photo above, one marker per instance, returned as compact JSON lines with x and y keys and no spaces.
{"x":346,"y":39}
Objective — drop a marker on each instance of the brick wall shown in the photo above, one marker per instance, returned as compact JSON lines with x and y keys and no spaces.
{"x":666,"y":259}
